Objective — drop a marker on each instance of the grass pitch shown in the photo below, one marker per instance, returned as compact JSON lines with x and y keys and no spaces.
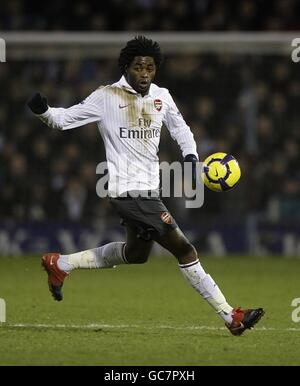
{"x":148,"y":315}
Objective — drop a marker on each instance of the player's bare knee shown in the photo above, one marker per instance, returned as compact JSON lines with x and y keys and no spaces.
{"x":186,"y":253}
{"x":137,"y":259}
{"x":136,"y":256}
{"x":141,"y":260}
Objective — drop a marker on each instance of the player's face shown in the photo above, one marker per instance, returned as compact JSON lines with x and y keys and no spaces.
{"x":140,"y":73}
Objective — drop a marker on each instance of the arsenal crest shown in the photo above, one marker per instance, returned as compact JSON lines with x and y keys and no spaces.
{"x":158,"y":104}
{"x":166,"y":218}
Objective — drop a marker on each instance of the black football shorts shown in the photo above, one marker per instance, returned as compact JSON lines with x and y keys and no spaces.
{"x":148,"y":217}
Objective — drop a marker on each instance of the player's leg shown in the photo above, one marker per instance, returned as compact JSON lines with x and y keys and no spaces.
{"x":105,"y":256}
{"x":136,"y":250}
{"x":59,"y":266}
{"x":186,"y":254}
{"x":133,"y":251}
{"x":237,"y":320}
{"x":176,"y":243}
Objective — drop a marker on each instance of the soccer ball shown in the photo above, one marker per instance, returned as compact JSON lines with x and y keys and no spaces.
{"x":221,"y":172}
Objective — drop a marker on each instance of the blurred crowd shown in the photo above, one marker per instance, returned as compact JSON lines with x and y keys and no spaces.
{"x":243,"y":105}
{"x":150,"y":15}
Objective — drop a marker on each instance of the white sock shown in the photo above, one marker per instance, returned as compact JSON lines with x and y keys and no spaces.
{"x":208,"y":289}
{"x":106,"y":256}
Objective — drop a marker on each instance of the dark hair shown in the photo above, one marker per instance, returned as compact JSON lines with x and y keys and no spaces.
{"x":139,"y":46}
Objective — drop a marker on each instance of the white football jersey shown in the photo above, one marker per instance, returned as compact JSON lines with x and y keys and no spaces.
{"x":130,"y":126}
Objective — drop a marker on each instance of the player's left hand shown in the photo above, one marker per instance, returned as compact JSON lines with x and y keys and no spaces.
{"x":193,"y":159}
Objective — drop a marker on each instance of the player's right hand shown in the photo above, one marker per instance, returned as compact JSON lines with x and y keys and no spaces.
{"x":38,"y":104}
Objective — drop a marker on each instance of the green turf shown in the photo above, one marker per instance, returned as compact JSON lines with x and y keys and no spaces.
{"x":152,"y":316}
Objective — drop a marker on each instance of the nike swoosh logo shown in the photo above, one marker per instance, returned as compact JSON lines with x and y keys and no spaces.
{"x":122,"y":107}
{"x":51,"y":261}
{"x":217,"y":174}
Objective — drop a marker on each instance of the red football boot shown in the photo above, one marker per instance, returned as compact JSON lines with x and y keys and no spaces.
{"x":244,"y":319}
{"x":56,"y":276}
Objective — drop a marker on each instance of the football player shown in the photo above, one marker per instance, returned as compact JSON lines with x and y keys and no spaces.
{"x":130,"y":114}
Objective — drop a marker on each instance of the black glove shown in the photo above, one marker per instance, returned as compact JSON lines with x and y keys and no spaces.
{"x":38,"y":104}
{"x":194,"y":160}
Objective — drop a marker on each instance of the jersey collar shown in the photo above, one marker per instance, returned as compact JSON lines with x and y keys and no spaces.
{"x":122,"y":83}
